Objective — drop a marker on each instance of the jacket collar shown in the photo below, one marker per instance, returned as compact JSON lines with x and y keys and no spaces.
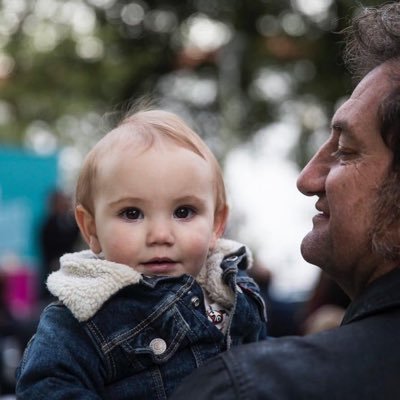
{"x":383,"y":293}
{"x":85,"y":281}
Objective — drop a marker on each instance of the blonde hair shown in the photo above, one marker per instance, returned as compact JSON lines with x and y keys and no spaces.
{"x":147,"y":127}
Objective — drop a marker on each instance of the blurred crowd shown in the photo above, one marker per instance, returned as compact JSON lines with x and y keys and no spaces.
{"x":23,"y":293}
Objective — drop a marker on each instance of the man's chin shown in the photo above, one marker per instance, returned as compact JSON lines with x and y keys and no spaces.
{"x":311,"y":249}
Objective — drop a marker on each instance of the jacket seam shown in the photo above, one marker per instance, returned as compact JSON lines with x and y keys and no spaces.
{"x":110,"y":362}
{"x":107,"y":347}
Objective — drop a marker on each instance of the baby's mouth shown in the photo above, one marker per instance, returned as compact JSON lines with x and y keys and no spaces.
{"x":159,"y":260}
{"x":160,"y":266}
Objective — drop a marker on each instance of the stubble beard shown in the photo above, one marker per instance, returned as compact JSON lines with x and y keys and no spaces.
{"x":384,"y":235}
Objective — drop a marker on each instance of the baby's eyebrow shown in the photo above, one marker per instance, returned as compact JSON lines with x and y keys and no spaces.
{"x":189,"y":199}
{"x":124,"y":200}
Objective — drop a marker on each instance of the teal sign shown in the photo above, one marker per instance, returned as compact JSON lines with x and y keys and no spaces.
{"x":26,"y":180}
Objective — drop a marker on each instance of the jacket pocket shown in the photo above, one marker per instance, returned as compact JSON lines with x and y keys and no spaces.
{"x":157,"y":341}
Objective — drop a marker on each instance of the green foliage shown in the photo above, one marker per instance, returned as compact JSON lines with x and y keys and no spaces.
{"x":77,"y":58}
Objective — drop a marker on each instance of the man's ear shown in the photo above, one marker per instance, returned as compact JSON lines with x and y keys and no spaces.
{"x":220,"y":220}
{"x":87,"y":226}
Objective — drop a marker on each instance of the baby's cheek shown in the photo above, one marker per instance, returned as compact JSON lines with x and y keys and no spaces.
{"x":200,"y":245}
{"x":115,"y":249}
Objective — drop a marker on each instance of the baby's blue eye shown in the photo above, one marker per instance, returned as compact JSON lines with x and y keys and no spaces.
{"x":131,"y":213}
{"x":184,"y":212}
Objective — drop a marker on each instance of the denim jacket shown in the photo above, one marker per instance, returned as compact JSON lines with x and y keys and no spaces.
{"x":116,"y":334}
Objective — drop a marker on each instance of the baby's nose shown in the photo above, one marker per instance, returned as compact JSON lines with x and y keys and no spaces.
{"x":160,"y":232}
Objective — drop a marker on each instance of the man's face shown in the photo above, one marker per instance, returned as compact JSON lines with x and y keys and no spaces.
{"x":346,"y":174}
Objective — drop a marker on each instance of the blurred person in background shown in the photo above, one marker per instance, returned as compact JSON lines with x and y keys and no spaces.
{"x":160,"y":291}
{"x":59,"y":234}
{"x":325,"y":308}
{"x":283,"y":315}
{"x":355,"y":239}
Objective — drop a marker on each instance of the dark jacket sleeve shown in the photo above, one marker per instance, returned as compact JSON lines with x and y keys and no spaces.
{"x":212,"y":381}
{"x":60,"y":362}
{"x":291,"y":368}
{"x":355,"y":361}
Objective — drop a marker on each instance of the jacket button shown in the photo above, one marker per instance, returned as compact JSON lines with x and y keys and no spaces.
{"x":158,"y":346}
{"x":195,"y":301}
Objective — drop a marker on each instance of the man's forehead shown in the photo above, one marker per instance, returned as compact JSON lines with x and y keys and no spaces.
{"x":375,"y":84}
{"x":363,"y":104}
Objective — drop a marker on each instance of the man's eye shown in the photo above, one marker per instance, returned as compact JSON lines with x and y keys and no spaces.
{"x":340,"y":153}
{"x":184,"y":212}
{"x":131,"y":213}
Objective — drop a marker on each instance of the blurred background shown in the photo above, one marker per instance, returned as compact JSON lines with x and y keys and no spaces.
{"x":259,"y":80}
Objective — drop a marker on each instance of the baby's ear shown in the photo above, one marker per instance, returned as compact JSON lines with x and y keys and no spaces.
{"x":87,"y":226}
{"x":220,"y":220}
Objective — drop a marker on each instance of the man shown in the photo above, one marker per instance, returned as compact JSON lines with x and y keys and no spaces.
{"x":355,"y":238}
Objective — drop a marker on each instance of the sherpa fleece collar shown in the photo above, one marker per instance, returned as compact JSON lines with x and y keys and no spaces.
{"x":85,"y":281}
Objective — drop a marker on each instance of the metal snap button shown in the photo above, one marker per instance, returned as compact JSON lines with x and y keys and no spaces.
{"x":158,"y":346}
{"x":195,"y":301}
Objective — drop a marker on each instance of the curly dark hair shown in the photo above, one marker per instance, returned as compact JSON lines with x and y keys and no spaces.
{"x":372,"y":39}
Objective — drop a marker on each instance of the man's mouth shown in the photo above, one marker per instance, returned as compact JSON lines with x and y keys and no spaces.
{"x":322,"y":209}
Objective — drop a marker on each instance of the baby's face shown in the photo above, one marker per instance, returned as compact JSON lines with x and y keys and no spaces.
{"x":154,"y":209}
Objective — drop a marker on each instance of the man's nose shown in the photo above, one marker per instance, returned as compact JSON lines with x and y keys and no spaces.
{"x":160,"y":231}
{"x":311,"y":180}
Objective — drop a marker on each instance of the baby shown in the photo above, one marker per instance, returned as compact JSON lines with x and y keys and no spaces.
{"x":159,"y":292}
